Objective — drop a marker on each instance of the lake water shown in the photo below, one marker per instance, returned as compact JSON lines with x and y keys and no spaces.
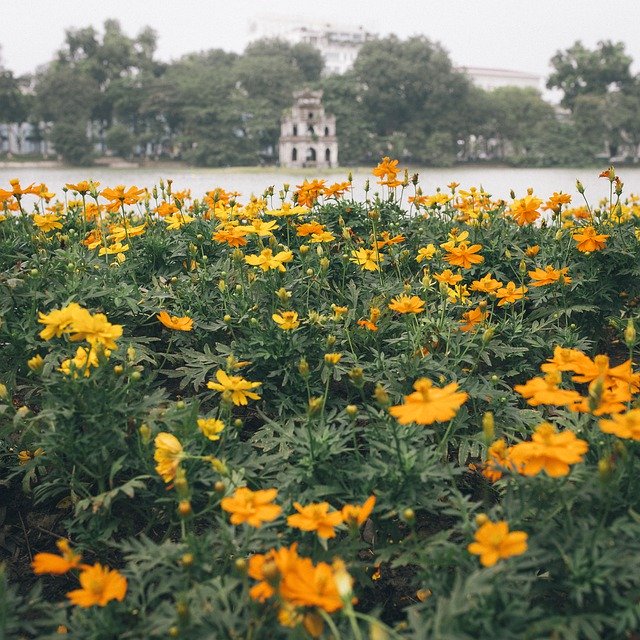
{"x":496,"y":181}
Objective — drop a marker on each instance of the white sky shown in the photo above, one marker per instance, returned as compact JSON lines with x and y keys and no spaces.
{"x":512,"y":34}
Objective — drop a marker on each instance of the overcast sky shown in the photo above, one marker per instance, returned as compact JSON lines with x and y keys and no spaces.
{"x":509,"y":34}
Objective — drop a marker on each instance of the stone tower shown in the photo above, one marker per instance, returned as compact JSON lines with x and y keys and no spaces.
{"x":307,"y":134}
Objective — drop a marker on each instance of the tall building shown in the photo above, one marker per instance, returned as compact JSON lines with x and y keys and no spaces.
{"x":338,"y":44}
{"x":308,"y":134}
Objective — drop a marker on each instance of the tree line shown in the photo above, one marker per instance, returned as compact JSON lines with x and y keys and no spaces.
{"x":107,"y":92}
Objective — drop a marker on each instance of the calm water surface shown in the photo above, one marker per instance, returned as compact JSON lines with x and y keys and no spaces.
{"x":497,"y":181}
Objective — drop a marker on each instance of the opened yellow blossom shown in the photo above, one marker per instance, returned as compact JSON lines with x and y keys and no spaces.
{"x":286,"y":320}
{"x":367,"y":259}
{"x":588,"y":239}
{"x":429,"y":404}
{"x":510,"y":294}
{"x":235,"y":387}
{"x":267,"y":260}
{"x":210,"y":428}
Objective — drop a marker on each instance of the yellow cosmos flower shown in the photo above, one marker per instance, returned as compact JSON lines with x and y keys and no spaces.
{"x":47,"y":222}
{"x":588,"y":239}
{"x":267,"y":260}
{"x":367,"y":259}
{"x":211,"y":428}
{"x":428,"y":404}
{"x":56,"y":564}
{"x":316,"y":517}
{"x":332,"y":358}
{"x":510,"y":293}
{"x":623,"y":425}
{"x":235,"y":387}
{"x":168,"y":455}
{"x":286,"y":320}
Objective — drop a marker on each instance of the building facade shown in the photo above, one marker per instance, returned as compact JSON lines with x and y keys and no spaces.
{"x":308,"y":134}
{"x":490,"y":79}
{"x":338,"y":44}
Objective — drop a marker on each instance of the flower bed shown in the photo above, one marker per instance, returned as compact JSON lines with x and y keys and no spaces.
{"x":408,"y":417}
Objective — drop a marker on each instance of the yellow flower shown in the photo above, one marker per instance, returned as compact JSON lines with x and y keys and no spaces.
{"x":286,"y":320}
{"x":426,"y":253}
{"x":356,"y":515}
{"x":252,"y":507}
{"x":47,"y":222}
{"x":407,"y":304}
{"x":332,"y":358}
{"x":36,"y":363}
{"x":211,"y":427}
{"x":548,"y":275}
{"x":367,"y":259}
{"x":525,"y":210}
{"x":95,"y":329}
{"x":266,"y":260}
{"x":99,"y":585}
{"x":81,"y":362}
{"x":545,"y":390}
{"x":235,"y":387}
{"x":57,"y":321}
{"x":168,"y":455}
{"x":428,"y":404}
{"x":494,"y":541}
{"x":177,"y":323}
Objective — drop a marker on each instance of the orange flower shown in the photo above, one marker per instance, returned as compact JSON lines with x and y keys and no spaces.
{"x":525,"y":210}
{"x":472,"y":318}
{"x":548,"y":451}
{"x":545,"y":390}
{"x":602,"y":400}
{"x":487,"y":284}
{"x":448,"y":277}
{"x":177,"y":323}
{"x":252,"y":507}
{"x":119,"y":197}
{"x":386,"y":169}
{"x":308,"y":228}
{"x":494,"y":541}
{"x":387,"y":240}
{"x":234,"y":236}
{"x":588,"y":240}
{"x":316,"y":517}
{"x":52,"y":563}
{"x":268,"y":567}
{"x":407,"y":304}
{"x":100,"y":585}
{"x":549,"y":275}
{"x":624,"y":425}
{"x":498,"y":459}
{"x":428,"y":404}
{"x":356,"y":515}
{"x":464,"y":256}
{"x":307,"y":585}
{"x":555,"y":202}
{"x":510,"y":294}
{"x":308,"y":192}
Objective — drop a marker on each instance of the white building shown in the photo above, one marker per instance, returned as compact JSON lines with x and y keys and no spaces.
{"x":308,"y":134}
{"x":489,"y":79}
{"x":339,"y":45}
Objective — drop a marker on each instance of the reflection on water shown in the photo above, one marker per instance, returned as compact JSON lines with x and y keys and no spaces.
{"x":497,"y":181}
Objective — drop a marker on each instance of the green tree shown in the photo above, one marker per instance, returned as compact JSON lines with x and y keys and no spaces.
{"x":579,"y":71}
{"x":410,"y":87}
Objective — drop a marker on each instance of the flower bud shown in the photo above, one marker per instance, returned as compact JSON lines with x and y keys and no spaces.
{"x":186,"y":560}
{"x":4,"y":392}
{"x":315,"y":405}
{"x":488,"y":427}
{"x":409,"y":516}
{"x":630,"y":333}
{"x":351,"y":410}
{"x":303,"y":367}
{"x":356,"y":375}
{"x":481,"y":519}
{"x":184,"y":508}
{"x":381,"y":395}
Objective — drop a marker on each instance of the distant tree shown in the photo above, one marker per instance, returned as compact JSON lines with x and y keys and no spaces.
{"x":410,"y":87}
{"x":13,"y":104}
{"x":579,"y":71}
